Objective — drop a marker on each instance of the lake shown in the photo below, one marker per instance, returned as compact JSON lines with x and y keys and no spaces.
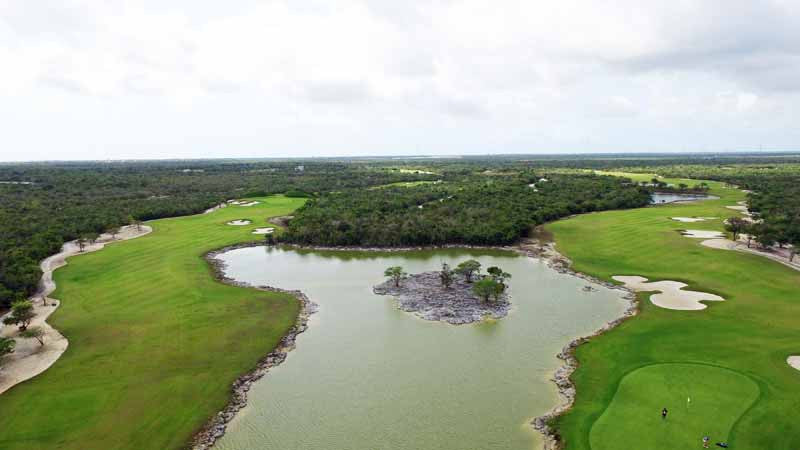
{"x":366,"y":376}
{"x":658,"y":198}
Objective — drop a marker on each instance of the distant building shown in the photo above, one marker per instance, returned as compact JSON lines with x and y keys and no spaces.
{"x":300,"y":168}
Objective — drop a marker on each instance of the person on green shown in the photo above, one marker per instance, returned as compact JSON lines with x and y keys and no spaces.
{"x":706,"y":440}
{"x":664,"y":413}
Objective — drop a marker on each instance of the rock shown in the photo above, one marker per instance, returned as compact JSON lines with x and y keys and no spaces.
{"x":424,"y":295}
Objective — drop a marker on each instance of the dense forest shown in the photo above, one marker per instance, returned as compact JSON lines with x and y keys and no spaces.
{"x":478,"y":210}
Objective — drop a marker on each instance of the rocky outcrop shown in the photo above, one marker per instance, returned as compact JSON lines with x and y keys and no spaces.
{"x":424,"y":295}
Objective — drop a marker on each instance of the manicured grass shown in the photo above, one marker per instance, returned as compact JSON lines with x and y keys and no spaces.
{"x":701,"y":401}
{"x":750,"y":334}
{"x":154,"y":341}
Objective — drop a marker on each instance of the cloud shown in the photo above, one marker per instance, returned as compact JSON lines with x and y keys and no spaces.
{"x":542,"y":72}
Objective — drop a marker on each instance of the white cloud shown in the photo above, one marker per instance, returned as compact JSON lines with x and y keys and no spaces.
{"x":379,"y":76}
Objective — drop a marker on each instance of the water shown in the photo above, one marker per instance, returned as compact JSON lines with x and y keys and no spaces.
{"x":668,"y":197}
{"x":366,"y":376}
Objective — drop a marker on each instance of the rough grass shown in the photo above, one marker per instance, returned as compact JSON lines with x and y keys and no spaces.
{"x":751,"y":333}
{"x":155,"y":342}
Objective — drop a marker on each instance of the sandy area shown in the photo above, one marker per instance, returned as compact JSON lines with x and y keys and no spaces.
{"x":239,"y":222}
{"x":29,"y":358}
{"x":780,"y":255}
{"x":212,"y":209}
{"x":238,"y":203}
{"x":794,"y":361}
{"x":692,"y":219}
{"x":264,"y":231}
{"x":672,"y":295}
{"x":703,"y":234}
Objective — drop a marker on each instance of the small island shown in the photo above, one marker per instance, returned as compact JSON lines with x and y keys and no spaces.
{"x":455,"y":296}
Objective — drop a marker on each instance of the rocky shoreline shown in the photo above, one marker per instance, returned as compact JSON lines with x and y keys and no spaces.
{"x":561,"y":377}
{"x":424,"y":295}
{"x":216,"y":426}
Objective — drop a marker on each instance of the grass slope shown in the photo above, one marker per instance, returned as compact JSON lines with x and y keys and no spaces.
{"x":750,"y":334}
{"x":155,"y":342}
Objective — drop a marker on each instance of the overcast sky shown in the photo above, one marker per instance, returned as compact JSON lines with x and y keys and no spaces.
{"x":111,"y":79}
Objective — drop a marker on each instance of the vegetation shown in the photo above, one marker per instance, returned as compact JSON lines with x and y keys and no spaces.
{"x":154,"y":341}
{"x":33,"y":333}
{"x":447,"y":275}
{"x":21,"y":314}
{"x":396,"y":274}
{"x":6,"y":347}
{"x":748,"y":395}
{"x":468,"y":269}
{"x":466,"y":209}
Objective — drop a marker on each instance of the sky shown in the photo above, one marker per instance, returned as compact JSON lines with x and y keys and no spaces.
{"x":111,"y":79}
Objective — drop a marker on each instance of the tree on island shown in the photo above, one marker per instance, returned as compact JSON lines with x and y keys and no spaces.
{"x":498,"y":275}
{"x":446,"y":275}
{"x":21,"y":314}
{"x":34,"y":333}
{"x":736,"y":225}
{"x":469,"y":268}
{"x":487,"y":287}
{"x":396,"y":273}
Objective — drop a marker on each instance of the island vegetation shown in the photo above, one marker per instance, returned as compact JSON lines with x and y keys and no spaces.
{"x":458,"y":297}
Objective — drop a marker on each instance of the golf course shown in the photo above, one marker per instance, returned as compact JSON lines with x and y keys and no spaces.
{"x":721,"y":372}
{"x":154,"y":341}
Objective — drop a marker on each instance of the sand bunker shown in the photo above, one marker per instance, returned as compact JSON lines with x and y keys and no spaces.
{"x":794,"y":361}
{"x":248,"y":204}
{"x":29,"y":358}
{"x":672,"y":295}
{"x":703,"y":234}
{"x":264,"y":231}
{"x":692,"y":219}
{"x":239,"y":222}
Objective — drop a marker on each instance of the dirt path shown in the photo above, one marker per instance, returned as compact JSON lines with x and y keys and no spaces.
{"x":775,"y":255}
{"x":29,"y":358}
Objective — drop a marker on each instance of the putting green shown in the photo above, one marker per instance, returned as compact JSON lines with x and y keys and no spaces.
{"x":751,"y":333}
{"x":701,"y":400}
{"x":154,"y":341}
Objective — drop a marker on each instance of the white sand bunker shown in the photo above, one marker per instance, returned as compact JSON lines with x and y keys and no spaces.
{"x":692,"y":219}
{"x":672,"y":295}
{"x":264,"y":231}
{"x":794,"y":361}
{"x":249,"y":204}
{"x":703,"y":234}
{"x":240,"y":222}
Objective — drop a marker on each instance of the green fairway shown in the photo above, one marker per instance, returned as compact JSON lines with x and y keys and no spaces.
{"x":154,"y":341}
{"x":746,"y":338}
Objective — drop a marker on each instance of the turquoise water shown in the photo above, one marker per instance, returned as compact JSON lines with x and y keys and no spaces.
{"x":366,"y":376}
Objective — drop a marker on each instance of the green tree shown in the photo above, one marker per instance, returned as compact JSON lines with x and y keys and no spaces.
{"x":396,"y":274}
{"x":485,"y":288}
{"x":21,"y":314}
{"x":6,"y":346}
{"x":497,"y":274}
{"x":34,"y":333}
{"x":469,"y":268}
{"x":446,"y":275}
{"x":736,"y":225}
